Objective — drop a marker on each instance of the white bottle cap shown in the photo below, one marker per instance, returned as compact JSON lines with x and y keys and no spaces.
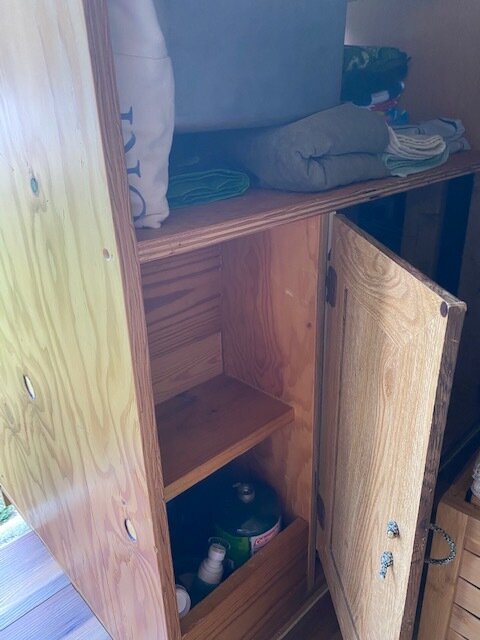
{"x":183,"y":601}
{"x":216,"y":552}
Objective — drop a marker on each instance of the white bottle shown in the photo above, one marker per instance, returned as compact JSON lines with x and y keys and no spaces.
{"x":209,"y":574}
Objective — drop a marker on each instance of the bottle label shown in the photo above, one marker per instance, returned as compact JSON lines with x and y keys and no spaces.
{"x":257,"y":542}
{"x":241,"y":549}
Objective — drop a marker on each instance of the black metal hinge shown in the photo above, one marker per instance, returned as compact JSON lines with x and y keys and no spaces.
{"x":331,"y":286}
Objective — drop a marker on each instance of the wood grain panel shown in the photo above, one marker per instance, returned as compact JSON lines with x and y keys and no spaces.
{"x":182,"y":305}
{"x":442,"y":580}
{"x":464,"y":623}
{"x":210,"y":425}
{"x":187,"y":367}
{"x":470,"y":568}
{"x":73,"y":458}
{"x":385,"y":400}
{"x":29,"y":576}
{"x":271,"y":312}
{"x":195,"y":227}
{"x":472,"y":536}
{"x":442,"y":40}
{"x":235,"y":610}
{"x":467,"y":596}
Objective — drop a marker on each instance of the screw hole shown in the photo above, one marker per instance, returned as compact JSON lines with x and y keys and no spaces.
{"x":107,"y":255}
{"x":29,"y":387}
{"x":132,"y":534}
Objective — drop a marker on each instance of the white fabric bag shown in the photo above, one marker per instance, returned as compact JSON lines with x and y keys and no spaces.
{"x":146,"y":93}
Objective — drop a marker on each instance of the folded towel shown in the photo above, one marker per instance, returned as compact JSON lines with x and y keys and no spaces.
{"x":415,"y":147}
{"x":404,"y":167}
{"x":331,"y":148}
{"x":198,"y":187}
{"x":452,"y":131}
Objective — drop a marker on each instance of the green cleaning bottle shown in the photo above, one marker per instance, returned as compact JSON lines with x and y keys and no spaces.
{"x":248,"y":518}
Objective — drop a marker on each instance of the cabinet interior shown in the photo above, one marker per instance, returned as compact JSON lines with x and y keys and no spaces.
{"x":233,"y":332}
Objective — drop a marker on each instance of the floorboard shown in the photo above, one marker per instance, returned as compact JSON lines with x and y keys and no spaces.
{"x":37,"y":600}
{"x":319,"y":623}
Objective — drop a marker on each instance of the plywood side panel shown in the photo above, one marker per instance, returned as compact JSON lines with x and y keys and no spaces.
{"x":270,"y":315}
{"x":80,"y":455}
{"x":442,"y":39}
{"x":182,"y":305}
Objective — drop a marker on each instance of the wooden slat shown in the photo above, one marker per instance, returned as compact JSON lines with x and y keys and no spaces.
{"x":182,"y":303}
{"x":273,"y":306}
{"x":470,"y":568}
{"x":28,"y":576}
{"x":259,"y":596}
{"x":187,"y":367}
{"x":472,"y":536}
{"x":467,"y":596}
{"x":442,"y":580}
{"x":64,"y":616}
{"x":203,"y":429}
{"x":464,"y":623}
{"x":83,"y":456}
{"x":201,"y":226}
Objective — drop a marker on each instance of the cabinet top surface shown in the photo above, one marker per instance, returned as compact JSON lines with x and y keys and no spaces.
{"x":194,"y":227}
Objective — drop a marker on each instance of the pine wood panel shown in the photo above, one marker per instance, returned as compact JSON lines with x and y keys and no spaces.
{"x":259,"y":210}
{"x":472,"y":536}
{"x":29,"y":576}
{"x":271,"y":313}
{"x":73,"y":458}
{"x":259,"y":596}
{"x":467,"y":596}
{"x":464,"y":623}
{"x":182,"y":305}
{"x":203,"y":429}
{"x":442,"y":580}
{"x":470,"y":567}
{"x":63,"y":616}
{"x":391,"y":347}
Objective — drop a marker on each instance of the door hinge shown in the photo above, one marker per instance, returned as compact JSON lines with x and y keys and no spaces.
{"x":331,"y":286}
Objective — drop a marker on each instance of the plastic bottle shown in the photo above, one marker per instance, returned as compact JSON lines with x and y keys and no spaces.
{"x":248,"y":518}
{"x":183,"y":601}
{"x":209,"y":574}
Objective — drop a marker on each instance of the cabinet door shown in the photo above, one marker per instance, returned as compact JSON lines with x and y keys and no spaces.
{"x":391,"y":345}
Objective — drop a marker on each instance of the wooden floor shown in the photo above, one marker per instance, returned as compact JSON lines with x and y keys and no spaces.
{"x":37,"y":600}
{"x":319,"y":623}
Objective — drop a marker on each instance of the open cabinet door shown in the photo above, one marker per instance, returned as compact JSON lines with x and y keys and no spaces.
{"x":391,"y":346}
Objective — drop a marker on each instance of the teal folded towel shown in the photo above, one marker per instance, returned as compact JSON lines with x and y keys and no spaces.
{"x":199,"y":187}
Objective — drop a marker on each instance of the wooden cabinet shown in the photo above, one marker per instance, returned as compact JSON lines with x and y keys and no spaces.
{"x":136,"y":365}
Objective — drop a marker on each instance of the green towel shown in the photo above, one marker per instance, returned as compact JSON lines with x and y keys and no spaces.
{"x":403,"y":167}
{"x":198,"y":187}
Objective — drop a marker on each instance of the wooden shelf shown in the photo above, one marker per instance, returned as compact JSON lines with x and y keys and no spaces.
{"x":208,"y":426}
{"x":192,"y":228}
{"x":234,"y":610}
